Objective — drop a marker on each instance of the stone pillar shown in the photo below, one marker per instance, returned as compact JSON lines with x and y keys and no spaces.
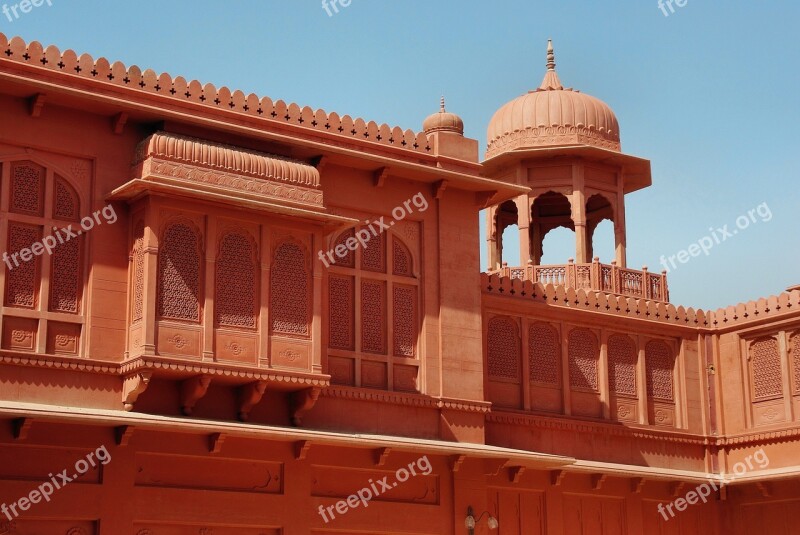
{"x":579,"y":214}
{"x":150,"y":282}
{"x":523,"y":223}
{"x":620,"y":235}
{"x":492,"y":239}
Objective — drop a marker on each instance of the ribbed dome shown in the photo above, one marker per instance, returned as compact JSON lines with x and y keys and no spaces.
{"x":443,"y":121}
{"x":552,"y":116}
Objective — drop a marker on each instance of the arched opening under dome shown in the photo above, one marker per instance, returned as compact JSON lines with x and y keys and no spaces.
{"x":600,"y":239}
{"x":551,"y":218}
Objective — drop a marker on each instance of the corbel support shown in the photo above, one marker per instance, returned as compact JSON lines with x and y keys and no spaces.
{"x":515,"y":473}
{"x":249,"y":396}
{"x":21,"y":427}
{"x":380,"y":176}
{"x":301,"y":402}
{"x":119,"y":122}
{"x":37,"y":104}
{"x":132,"y":387}
{"x":381,"y":456}
{"x":192,"y":390}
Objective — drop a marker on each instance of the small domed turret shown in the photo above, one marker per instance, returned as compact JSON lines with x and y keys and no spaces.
{"x":443,"y":121}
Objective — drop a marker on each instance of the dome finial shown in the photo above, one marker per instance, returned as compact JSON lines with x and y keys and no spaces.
{"x":551,"y":81}
{"x":442,"y":107}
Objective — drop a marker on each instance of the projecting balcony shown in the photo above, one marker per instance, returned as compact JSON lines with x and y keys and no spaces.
{"x":608,"y":278}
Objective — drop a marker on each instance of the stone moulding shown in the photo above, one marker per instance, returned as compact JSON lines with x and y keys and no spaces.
{"x":169,"y":366}
{"x":596,"y":428}
{"x":761,"y":437}
{"x":551,"y":137}
{"x":103,"y":75}
{"x":57,"y":362}
{"x":166,"y":158}
{"x":414,"y":400}
{"x":229,"y":159}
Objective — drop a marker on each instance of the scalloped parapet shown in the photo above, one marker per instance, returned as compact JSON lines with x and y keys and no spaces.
{"x":592,"y":301}
{"x":177,"y":89}
{"x":773,"y":308}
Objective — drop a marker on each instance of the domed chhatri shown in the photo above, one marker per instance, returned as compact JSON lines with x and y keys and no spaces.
{"x":443,"y":121}
{"x":552,"y":116}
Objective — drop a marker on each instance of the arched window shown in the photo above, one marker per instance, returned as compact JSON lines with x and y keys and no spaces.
{"x":290,"y":287}
{"x":659,"y":365}
{"x":583,"y":360}
{"x":622,"y":356}
{"x":503,"y":356}
{"x":544,"y":354}
{"x":179,"y":273}
{"x":236,"y":282}
{"x":43,"y":264}
{"x":765,"y":369}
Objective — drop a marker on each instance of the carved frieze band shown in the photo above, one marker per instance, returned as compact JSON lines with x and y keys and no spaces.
{"x":547,"y":136}
{"x":236,"y":169}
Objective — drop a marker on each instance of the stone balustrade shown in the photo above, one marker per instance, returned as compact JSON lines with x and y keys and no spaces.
{"x":595,"y":276}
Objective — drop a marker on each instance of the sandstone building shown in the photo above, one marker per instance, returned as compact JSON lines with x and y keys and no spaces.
{"x":242,"y":312}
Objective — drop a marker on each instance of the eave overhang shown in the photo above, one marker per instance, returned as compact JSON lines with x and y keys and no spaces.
{"x":497,"y":457}
{"x":407,"y":159}
{"x":636,"y":171}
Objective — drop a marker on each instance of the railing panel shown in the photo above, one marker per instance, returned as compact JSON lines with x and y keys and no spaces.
{"x":594,"y":277}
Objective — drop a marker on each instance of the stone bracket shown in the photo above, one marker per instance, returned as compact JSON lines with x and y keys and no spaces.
{"x":381,"y":456}
{"x":380,"y":176}
{"x":192,"y":390}
{"x":492,"y":467}
{"x":301,"y":402}
{"x":765,"y":489}
{"x":456,"y":461}
{"x":301,"y":449}
{"x":215,"y":441}
{"x":483,"y":198}
{"x":123,"y":434}
{"x":119,"y":121}
{"x":515,"y":473}
{"x":249,"y":396}
{"x":557,"y":477}
{"x":21,"y":427}
{"x":677,"y":488}
{"x":598,"y":480}
{"x":439,"y":188}
{"x":37,"y":104}
{"x":132,"y":387}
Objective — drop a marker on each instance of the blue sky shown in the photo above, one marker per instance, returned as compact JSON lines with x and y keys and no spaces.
{"x":709,"y":94}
